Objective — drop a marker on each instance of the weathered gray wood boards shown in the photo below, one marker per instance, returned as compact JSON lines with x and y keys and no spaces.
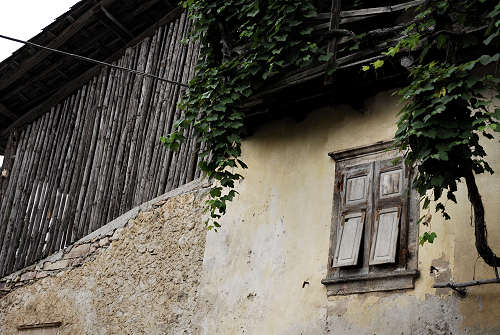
{"x":97,"y":154}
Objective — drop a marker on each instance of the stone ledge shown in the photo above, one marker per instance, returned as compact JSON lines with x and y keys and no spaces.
{"x":123,"y":219}
{"x":397,"y":280}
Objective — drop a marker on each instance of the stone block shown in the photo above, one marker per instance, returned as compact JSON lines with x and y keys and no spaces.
{"x":28,"y":275}
{"x":78,"y":251}
{"x":103,"y":242}
{"x":117,"y":234}
{"x":58,"y":265}
{"x":190,"y":225}
{"x":182,"y":242}
{"x":78,"y":261}
{"x":160,"y":203}
{"x":42,"y":274}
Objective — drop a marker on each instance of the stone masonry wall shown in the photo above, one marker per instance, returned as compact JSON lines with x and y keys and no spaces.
{"x":137,"y":275}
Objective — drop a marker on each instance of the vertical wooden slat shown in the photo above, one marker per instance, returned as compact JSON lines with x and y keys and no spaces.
{"x":11,"y":225}
{"x":161,"y":151}
{"x":41,"y":200}
{"x":10,"y":194}
{"x":171,"y":109}
{"x":150,"y":130}
{"x":91,"y":113}
{"x":26,"y":214}
{"x":109,"y":159}
{"x":126,"y":200}
{"x":49,"y":207}
{"x":93,"y":162}
{"x":117,"y":176}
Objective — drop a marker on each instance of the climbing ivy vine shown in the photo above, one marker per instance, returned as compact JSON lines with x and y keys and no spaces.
{"x":448,"y":103}
{"x":244,"y":43}
{"x":447,"y":107}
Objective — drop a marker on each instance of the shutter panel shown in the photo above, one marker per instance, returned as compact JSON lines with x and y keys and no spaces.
{"x":349,"y":234}
{"x":390,"y":192}
{"x":357,"y":183}
{"x":385,"y":236}
{"x":353,"y":196}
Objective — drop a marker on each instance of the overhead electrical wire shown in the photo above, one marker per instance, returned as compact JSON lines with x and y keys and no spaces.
{"x":91,"y":60}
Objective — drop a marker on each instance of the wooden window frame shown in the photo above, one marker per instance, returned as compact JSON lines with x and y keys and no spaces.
{"x":380,"y":277}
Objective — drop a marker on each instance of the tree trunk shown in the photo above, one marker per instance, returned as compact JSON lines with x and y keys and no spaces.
{"x":482,"y":246}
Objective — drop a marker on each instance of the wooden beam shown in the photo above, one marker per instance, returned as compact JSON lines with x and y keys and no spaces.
{"x":7,"y":113}
{"x":144,"y":6}
{"x":360,"y":14}
{"x":40,"y":325}
{"x":117,"y":23}
{"x":61,"y":38}
{"x":74,"y":84}
{"x":380,"y":10}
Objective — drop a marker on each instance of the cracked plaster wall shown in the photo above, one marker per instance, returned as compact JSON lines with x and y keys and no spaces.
{"x":262,"y":272}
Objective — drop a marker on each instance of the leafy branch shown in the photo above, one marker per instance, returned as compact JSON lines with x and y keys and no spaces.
{"x":446,"y":110}
{"x":244,"y":44}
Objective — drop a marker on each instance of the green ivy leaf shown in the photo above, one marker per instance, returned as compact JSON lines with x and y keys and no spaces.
{"x":378,"y":64}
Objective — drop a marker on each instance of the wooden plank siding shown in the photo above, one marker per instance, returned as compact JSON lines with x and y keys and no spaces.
{"x":97,"y":153}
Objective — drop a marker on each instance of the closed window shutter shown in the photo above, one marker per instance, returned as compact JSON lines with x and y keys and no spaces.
{"x":354,"y":190}
{"x":390,"y":192}
{"x":385,"y":237}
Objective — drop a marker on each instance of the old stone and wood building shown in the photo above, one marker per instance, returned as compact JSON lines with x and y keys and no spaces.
{"x":101,"y":227}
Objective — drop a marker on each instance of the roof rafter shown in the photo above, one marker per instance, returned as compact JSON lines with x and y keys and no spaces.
{"x":7,"y":113}
{"x":117,"y":23}
{"x":71,"y":86}
{"x":61,"y":38}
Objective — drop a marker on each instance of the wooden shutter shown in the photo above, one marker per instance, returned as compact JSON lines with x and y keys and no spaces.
{"x":385,"y":236}
{"x":349,"y":239}
{"x":390,"y":210}
{"x":353,"y":193}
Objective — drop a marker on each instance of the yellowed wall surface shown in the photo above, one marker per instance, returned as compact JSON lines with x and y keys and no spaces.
{"x":276,"y":238}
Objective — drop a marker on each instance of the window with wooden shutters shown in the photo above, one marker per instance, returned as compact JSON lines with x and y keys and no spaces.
{"x":354,"y":191}
{"x":373,"y":244}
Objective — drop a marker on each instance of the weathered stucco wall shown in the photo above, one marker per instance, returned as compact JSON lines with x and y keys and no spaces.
{"x":262,"y":272}
{"x":138,"y":279}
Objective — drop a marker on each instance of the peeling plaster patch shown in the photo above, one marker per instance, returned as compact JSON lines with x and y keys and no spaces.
{"x":441,"y":274}
{"x":337,"y":309}
{"x":251,"y":296}
{"x":479,"y":303}
{"x":434,"y":316}
{"x":480,"y":311}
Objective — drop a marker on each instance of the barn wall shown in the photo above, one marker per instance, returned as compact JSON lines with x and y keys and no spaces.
{"x":97,"y":154}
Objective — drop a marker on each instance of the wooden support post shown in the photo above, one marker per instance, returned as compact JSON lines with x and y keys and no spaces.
{"x":332,"y":44}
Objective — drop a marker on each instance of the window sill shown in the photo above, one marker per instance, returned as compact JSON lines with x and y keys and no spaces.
{"x":371,"y":283}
